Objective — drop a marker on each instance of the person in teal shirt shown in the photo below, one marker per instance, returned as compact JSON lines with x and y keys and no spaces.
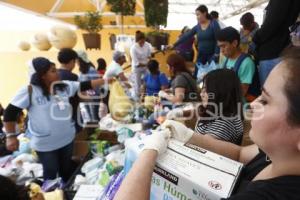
{"x":228,"y":41}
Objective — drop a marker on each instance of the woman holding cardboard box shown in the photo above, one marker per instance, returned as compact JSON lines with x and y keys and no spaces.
{"x":271,"y":164}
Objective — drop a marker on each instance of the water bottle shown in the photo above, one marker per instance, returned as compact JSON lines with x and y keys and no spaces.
{"x":84,"y":113}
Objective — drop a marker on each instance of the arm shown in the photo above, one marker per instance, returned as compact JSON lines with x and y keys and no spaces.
{"x":216,"y":27}
{"x":10,"y":121}
{"x":93,"y":84}
{"x":164,"y":87}
{"x":187,"y":35}
{"x":276,"y":15}
{"x":133,"y":55}
{"x":122,"y":77}
{"x":178,"y":97}
{"x":137,"y":184}
{"x":246,"y":73}
{"x":227,"y":149}
{"x":244,"y":88}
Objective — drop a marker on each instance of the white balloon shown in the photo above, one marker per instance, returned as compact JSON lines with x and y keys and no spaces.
{"x":41,"y":42}
{"x":62,"y":37}
{"x":24,"y":46}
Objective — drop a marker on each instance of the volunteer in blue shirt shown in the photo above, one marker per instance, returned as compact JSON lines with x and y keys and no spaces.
{"x":50,"y":117}
{"x":155,"y":80}
{"x":206,"y":30}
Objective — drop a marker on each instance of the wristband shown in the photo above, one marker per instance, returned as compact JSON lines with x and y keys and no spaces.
{"x":10,"y":135}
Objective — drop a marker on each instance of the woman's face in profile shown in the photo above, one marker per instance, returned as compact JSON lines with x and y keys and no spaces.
{"x":270,"y":128}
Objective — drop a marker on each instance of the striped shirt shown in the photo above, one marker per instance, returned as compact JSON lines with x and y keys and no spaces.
{"x":230,"y":130}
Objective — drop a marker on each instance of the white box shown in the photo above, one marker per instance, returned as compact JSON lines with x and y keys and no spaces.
{"x":187,"y":172}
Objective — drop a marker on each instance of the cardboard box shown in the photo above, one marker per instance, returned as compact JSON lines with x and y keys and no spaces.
{"x":187,"y":172}
{"x":80,"y":150}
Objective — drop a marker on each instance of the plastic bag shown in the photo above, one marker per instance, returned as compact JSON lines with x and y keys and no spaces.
{"x":204,"y":69}
{"x":150,"y":102}
{"x":119,"y":103}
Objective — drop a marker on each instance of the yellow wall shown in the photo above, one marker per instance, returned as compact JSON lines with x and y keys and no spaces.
{"x":13,"y":68}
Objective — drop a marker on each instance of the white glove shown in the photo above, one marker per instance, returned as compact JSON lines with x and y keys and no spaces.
{"x":179,"y":130}
{"x":158,"y":140}
{"x":175,"y":113}
{"x":162,"y":94}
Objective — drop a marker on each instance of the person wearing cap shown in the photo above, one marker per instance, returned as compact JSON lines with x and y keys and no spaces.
{"x":229,"y":41}
{"x":50,"y":120}
{"x":67,"y":59}
{"x":140,"y":53}
{"x":115,"y":70}
{"x":88,"y":72}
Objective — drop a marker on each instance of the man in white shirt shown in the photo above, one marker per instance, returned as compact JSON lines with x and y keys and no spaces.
{"x":140,"y":53}
{"x":115,"y":68}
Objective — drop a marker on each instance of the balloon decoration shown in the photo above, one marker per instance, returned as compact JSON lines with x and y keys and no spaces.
{"x":62,"y":37}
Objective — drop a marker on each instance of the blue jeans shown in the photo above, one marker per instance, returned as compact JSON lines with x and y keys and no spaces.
{"x":57,"y":162}
{"x":265,"y":67}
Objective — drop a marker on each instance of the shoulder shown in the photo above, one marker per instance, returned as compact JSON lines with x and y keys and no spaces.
{"x":248,"y":64}
{"x":148,"y":44}
{"x":215,"y":23}
{"x":248,"y":60}
{"x":279,"y":188}
{"x":223,"y":123}
{"x":162,"y":75}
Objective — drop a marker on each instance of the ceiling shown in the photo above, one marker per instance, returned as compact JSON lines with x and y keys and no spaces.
{"x":65,"y":10}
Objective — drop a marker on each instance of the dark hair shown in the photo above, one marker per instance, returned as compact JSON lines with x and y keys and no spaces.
{"x":101,"y":64}
{"x":185,"y":29}
{"x":177,"y":63}
{"x":228,"y":34}
{"x":10,"y":191}
{"x":247,"y":20}
{"x":84,"y":66}
{"x":204,"y":9}
{"x":214,"y":14}
{"x":225,"y":86}
{"x":139,"y":35}
{"x":41,"y":66}
{"x":153,"y":66}
{"x":291,"y":57}
{"x":65,"y":55}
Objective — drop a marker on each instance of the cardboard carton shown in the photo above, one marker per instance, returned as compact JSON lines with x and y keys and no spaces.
{"x":187,"y":172}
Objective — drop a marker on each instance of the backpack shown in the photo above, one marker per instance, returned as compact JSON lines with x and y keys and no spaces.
{"x":254,"y":89}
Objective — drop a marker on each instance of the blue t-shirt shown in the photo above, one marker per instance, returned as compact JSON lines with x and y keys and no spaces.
{"x":207,"y":42}
{"x":50,"y":121}
{"x":67,"y":75}
{"x":154,"y":83}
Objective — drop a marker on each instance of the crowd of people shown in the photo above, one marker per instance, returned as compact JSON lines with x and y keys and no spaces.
{"x":257,"y":70}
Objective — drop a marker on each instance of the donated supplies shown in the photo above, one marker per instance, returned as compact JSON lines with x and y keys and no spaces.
{"x":187,"y":172}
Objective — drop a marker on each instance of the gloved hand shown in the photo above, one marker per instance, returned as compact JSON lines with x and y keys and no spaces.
{"x":162,"y":94}
{"x":158,"y":140}
{"x":12,"y":143}
{"x":179,"y":131}
{"x":175,"y":113}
